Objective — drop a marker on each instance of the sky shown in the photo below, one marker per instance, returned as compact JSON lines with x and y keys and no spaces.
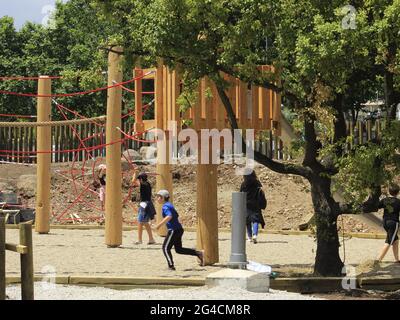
{"x":27,"y":10}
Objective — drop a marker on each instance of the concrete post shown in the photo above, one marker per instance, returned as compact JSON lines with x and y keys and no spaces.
{"x":238,"y":257}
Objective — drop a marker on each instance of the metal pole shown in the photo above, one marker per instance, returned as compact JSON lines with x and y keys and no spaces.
{"x":238,"y":257}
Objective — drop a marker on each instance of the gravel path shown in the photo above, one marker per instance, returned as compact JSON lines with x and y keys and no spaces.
{"x":82,"y":252}
{"x":59,"y":292}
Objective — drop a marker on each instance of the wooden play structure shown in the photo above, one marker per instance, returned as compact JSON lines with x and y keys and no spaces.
{"x":25,"y":249}
{"x":254,"y":107}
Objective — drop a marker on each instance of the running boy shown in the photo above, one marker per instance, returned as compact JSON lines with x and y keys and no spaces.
{"x":391,"y":206}
{"x":175,"y":231}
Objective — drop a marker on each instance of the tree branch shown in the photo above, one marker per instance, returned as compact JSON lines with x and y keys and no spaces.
{"x":269,"y":163}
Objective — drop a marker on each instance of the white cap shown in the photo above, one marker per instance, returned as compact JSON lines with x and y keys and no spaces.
{"x":101,"y":166}
{"x":163,"y":193}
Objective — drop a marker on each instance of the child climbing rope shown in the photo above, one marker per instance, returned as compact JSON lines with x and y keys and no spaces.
{"x":391,"y":206}
{"x":146,"y":211}
{"x":175,"y":231}
{"x":255,"y":202}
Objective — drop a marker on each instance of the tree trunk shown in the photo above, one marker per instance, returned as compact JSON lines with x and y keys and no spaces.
{"x":327,"y":260}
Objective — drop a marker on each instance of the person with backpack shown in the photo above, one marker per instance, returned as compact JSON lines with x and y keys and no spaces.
{"x":175,"y":231}
{"x":255,"y":202}
{"x":146,"y":211}
{"x":391,"y":206}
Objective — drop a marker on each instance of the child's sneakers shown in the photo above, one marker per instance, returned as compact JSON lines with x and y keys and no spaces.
{"x":138,"y":242}
{"x":254,"y":239}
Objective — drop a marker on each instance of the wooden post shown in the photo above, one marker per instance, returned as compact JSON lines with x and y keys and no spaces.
{"x":163,"y":179}
{"x":113,"y":236}
{"x":207,"y":211}
{"x":2,"y":258}
{"x":27,"y":280}
{"x":42,"y":225}
{"x":164,"y":176}
{"x":139,"y":126}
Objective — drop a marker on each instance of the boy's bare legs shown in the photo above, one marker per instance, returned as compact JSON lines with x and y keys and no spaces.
{"x":149,"y":232}
{"x":396,"y":250}
{"x":384,"y":251}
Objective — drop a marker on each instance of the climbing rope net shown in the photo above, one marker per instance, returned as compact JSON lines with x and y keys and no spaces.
{"x":82,"y":203}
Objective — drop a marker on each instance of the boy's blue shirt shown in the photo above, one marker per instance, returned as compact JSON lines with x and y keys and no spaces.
{"x":169,"y":210}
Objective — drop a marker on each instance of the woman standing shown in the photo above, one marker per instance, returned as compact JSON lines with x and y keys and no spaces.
{"x":146,"y":210}
{"x":252,"y":186}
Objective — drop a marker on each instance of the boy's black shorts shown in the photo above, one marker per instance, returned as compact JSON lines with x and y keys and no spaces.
{"x":391,"y":227}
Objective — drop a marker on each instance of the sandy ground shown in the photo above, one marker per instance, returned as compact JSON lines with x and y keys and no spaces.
{"x":59,"y":292}
{"x":82,"y":252}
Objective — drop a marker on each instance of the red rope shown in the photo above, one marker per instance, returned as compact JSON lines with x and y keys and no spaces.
{"x":62,"y":151}
{"x":34,"y":95}
{"x":127,"y":136}
{"x":144,"y":110}
{"x":76,"y":113}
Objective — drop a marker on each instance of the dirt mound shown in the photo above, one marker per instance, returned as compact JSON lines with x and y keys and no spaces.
{"x":289,"y":197}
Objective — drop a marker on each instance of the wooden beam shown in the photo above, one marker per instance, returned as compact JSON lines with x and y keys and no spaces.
{"x":207,"y":210}
{"x":2,"y":258}
{"x":255,"y":113}
{"x":17,"y":248}
{"x":150,"y":76}
{"x":27,"y":279}
{"x":159,"y":99}
{"x":138,"y":126}
{"x":43,"y":159}
{"x":242,"y":104}
{"x":113,"y":206}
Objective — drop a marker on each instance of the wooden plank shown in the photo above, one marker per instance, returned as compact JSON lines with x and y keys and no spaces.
{"x":220,"y":113}
{"x":360,"y":133}
{"x":242,"y":104}
{"x":159,"y":103}
{"x":27,"y":280}
{"x":150,"y":76}
{"x":17,"y":248}
{"x":207,"y":106}
{"x":255,"y":113}
{"x":2,"y":259}
{"x":138,"y":100}
{"x":277,"y":113}
{"x":176,"y":91}
{"x":196,"y":112}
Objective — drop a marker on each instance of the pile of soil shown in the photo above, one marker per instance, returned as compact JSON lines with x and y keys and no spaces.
{"x":289,"y":197}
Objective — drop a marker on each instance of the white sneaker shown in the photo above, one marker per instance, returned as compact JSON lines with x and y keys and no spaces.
{"x":254,"y":239}
{"x":249,"y":240}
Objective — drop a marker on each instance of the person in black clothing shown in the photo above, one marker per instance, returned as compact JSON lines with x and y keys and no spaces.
{"x":146,"y":210}
{"x":100,"y":180}
{"x":254,"y":217}
{"x":391,"y":206}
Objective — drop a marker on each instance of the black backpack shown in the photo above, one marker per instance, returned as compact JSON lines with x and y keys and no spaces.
{"x":261,"y":199}
{"x":150,"y":210}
